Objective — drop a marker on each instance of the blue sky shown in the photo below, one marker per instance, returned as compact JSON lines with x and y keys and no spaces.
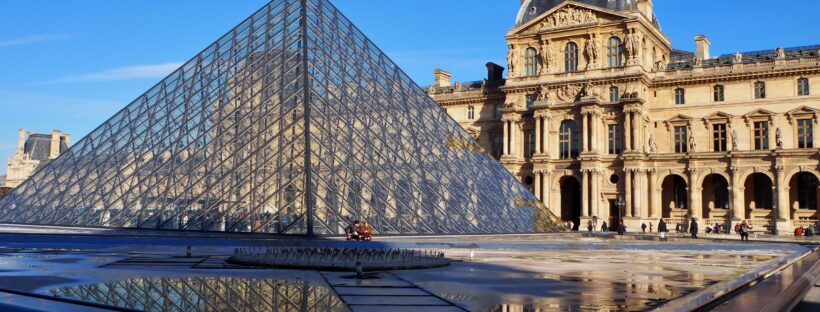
{"x":71,"y":64}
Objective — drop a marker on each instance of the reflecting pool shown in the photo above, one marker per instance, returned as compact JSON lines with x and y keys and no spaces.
{"x":215,"y":293}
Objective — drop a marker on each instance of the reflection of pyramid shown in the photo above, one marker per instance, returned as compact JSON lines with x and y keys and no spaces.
{"x":294,"y":122}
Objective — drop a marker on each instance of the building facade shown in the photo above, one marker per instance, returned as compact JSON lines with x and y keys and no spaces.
{"x":34,"y":151}
{"x":598,"y":110}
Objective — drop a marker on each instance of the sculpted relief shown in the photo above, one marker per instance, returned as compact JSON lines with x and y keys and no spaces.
{"x":569,"y":16}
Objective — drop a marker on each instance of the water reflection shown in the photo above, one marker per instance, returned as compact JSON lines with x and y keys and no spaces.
{"x":208,"y":294}
{"x":547,"y":282}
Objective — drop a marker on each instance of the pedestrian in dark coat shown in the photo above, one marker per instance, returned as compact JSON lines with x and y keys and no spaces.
{"x":662,"y":228}
{"x":693,"y":228}
{"x":604,"y":228}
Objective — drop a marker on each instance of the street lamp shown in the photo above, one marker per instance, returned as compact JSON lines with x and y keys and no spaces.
{"x":620,"y":203}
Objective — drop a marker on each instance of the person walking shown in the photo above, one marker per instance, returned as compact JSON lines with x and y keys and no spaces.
{"x":603,"y":228}
{"x":643,"y":227}
{"x":744,"y":231}
{"x":651,"y":227}
{"x":589,"y":226}
{"x":662,"y":229}
{"x":693,"y":228}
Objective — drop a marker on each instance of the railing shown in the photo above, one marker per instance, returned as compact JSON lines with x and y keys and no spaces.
{"x":759,"y":225}
{"x":805,"y":222}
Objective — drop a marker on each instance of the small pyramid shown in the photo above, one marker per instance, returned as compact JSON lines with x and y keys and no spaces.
{"x":292,"y":123}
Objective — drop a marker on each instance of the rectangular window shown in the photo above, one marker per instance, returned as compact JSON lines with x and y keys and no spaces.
{"x":760,"y":90}
{"x":529,"y":143}
{"x":680,"y":139}
{"x":470,"y":112}
{"x":761,"y":135}
{"x":719,"y":137}
{"x":499,"y":111}
{"x":614,"y":94}
{"x":498,"y":146}
{"x":719,"y":96}
{"x":680,"y":96}
{"x":531,"y":100}
{"x":615,"y":139}
{"x":803,"y":86}
{"x":805,"y":133}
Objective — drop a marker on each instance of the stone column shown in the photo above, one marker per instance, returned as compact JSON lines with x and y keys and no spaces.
{"x":595,"y":196}
{"x":652,"y":194}
{"x":506,"y":138}
{"x":636,"y":193}
{"x":513,"y":139}
{"x":628,"y":130}
{"x":636,"y":125}
{"x":628,"y":191}
{"x":584,"y":193}
{"x":538,"y":190}
{"x":584,"y":132}
{"x":593,"y":144}
{"x":546,"y":135}
{"x":538,"y":135}
{"x":695,"y":209}
{"x":736,"y":195}
{"x":546,"y":189}
{"x":783,"y":210}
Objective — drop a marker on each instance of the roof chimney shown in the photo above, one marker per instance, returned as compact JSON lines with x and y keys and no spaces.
{"x":702,"y":44}
{"x":54,"y":151}
{"x":21,"y":142}
{"x":443,"y":78}
{"x":494,"y":72}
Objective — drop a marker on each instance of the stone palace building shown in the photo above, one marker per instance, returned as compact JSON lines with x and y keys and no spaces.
{"x":34,"y":151}
{"x":597,"y":106}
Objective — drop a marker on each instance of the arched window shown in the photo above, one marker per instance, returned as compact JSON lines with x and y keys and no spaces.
{"x":531,"y":62}
{"x":760,"y":90}
{"x":614,"y":55}
{"x":568,"y":136}
{"x":571,"y":57}
{"x":803,"y":86}
{"x":719,"y":96}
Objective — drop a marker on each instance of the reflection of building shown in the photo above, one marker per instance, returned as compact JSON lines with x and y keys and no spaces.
{"x":597,"y":105}
{"x":34,"y":151}
{"x":208,"y":294}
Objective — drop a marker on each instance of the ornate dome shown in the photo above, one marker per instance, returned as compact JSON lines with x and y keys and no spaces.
{"x":534,"y":8}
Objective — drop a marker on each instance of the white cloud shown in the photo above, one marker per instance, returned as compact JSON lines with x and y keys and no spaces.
{"x":124,"y":73}
{"x":35,"y":39}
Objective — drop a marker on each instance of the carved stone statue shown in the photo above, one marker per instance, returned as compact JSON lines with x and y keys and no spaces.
{"x":568,"y":93}
{"x":632,"y":44}
{"x":511,"y":55}
{"x":569,"y":16}
{"x":778,"y":138}
{"x":589,"y":89}
{"x":734,"y":139}
{"x":591,"y":53}
{"x":546,"y":57}
{"x":780,"y":53}
{"x":738,"y":58}
{"x":692,"y":144}
{"x":653,"y":146}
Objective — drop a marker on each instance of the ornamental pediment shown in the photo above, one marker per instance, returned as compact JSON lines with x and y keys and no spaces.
{"x":569,"y":14}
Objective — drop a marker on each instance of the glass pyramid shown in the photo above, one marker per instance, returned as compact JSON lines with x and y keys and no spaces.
{"x":292,"y":123}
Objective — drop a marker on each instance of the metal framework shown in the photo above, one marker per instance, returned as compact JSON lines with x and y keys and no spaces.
{"x":208,"y":294}
{"x":292,"y":123}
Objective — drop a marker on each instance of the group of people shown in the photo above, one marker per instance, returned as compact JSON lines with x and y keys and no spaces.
{"x":805,"y":231}
{"x":359,"y":231}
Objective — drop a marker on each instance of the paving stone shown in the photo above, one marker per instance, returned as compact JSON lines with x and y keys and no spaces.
{"x":364,"y":308}
{"x":380,"y":291}
{"x":395,"y":300}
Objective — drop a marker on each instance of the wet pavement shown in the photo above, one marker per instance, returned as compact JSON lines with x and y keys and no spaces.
{"x":520,"y":273}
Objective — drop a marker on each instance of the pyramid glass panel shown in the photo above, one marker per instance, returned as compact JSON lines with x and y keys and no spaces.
{"x":292,"y":123}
